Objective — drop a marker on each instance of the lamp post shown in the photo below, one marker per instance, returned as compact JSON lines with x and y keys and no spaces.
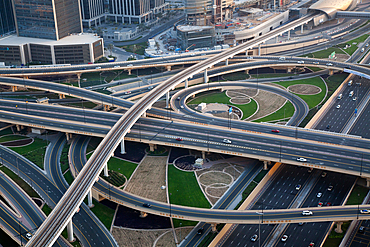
{"x":358,"y":204}
{"x":259,"y":226}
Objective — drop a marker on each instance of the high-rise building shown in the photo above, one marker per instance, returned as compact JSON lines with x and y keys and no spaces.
{"x":7,"y":24}
{"x":134,"y":11}
{"x":92,"y":12}
{"x":47,"y":19}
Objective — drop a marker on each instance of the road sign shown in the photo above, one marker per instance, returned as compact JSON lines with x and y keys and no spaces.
{"x":355,"y":110}
{"x":230,"y":110}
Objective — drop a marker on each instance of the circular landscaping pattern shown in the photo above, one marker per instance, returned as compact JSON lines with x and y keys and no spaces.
{"x":15,"y":140}
{"x":186,"y":163}
{"x":240,"y":100}
{"x":304,"y":89}
{"x":215,"y":177}
{"x":216,"y":190}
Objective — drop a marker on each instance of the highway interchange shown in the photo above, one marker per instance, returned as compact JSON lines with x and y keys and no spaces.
{"x":236,"y":141}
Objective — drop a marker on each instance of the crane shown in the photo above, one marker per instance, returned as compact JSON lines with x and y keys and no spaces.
{"x":186,"y":50}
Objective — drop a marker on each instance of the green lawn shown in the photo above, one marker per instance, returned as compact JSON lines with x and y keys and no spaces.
{"x":324,"y":53}
{"x":184,"y":190}
{"x":311,"y":100}
{"x":138,"y":48}
{"x":64,"y":164}
{"x":357,"y":196}
{"x":334,"y":82}
{"x":104,"y":213}
{"x":34,"y":152}
{"x":236,"y":76}
{"x":353,"y":47}
{"x":93,"y":143}
{"x":68,"y":177}
{"x":12,"y":138}
{"x":220,"y":97}
{"x":121,"y":166}
{"x":6,"y":131}
{"x":286,"y":111}
{"x":314,"y":69}
{"x":46,"y":209}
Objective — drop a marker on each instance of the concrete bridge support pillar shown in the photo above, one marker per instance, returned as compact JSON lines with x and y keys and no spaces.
{"x":143,"y":214}
{"x":338,"y":229}
{"x":265,"y":163}
{"x":186,"y":83}
{"x":214,"y":227}
{"x":70,"y":231}
{"x":106,"y":107}
{"x":152,"y":147}
{"x":129,"y":71}
{"x":246,"y":71}
{"x":106,"y":169}
{"x":227,"y":62}
{"x":289,"y":70}
{"x":14,"y":88}
{"x":68,"y":136}
{"x":367,"y":182}
{"x":62,"y":96}
{"x":18,"y":127}
{"x":144,"y":114}
{"x":79,"y":79}
{"x":205,"y":76}
{"x":204,"y":155}
{"x":167,"y":99}
{"x":123,"y":151}
{"x":168,"y":68}
{"x":259,"y":50}
{"x":289,"y":35}
{"x":89,"y":199}
{"x":302,"y":28}
{"x":331,"y":72}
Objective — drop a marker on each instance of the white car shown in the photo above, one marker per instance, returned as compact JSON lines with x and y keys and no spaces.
{"x":354,"y":98}
{"x":300,"y":62}
{"x":319,"y":195}
{"x":226,"y":141}
{"x":28,"y":235}
{"x":306,"y":212}
{"x":129,"y":65}
{"x":182,"y":107}
{"x":365,"y":211}
{"x":97,"y":67}
{"x":117,"y":66}
{"x":338,"y":106}
{"x":301,"y":159}
{"x":284,"y":238}
{"x":329,"y":64}
{"x":316,"y":63}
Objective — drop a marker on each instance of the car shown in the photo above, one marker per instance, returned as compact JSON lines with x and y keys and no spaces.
{"x":127,"y":92}
{"x":117,"y":66}
{"x":301,"y":159}
{"x":254,"y":238}
{"x":147,"y":205}
{"x":329,"y":64}
{"x":284,"y":238}
{"x":306,"y":213}
{"x":311,"y":244}
{"x":28,"y":235}
{"x":226,"y":141}
{"x":338,"y":106}
{"x":178,"y":98}
{"x":328,"y":126}
{"x":300,"y":62}
{"x":323,"y":174}
{"x":200,"y":231}
{"x":328,"y":204}
{"x":310,"y":170}
{"x":367,"y":45}
{"x":150,"y":87}
{"x":275,"y":131}
{"x":330,"y":188}
{"x":354,"y":98}
{"x":298,"y":187}
{"x":320,"y":204}
{"x":129,"y":65}
{"x":179,"y":139}
{"x":361,"y":229}
{"x":301,"y":223}
{"x":97,"y":67}
{"x":319,"y":195}
{"x":316,"y":63}
{"x":182,"y":107}
{"x":365,"y":211}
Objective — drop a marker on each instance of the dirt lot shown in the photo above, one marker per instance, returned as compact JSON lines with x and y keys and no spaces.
{"x":268,"y":103}
{"x":167,"y":240}
{"x":304,"y":89}
{"x":148,"y":179}
{"x":135,"y":238}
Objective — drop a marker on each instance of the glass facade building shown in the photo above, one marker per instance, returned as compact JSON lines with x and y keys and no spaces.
{"x":7,"y":23}
{"x":47,"y":19}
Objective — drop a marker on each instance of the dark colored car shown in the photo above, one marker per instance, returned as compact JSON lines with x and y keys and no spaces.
{"x":147,"y":205}
{"x":361,"y":229}
{"x":179,"y":139}
{"x":200,"y":231}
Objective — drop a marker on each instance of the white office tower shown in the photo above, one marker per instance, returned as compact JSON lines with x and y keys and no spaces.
{"x":134,"y":11}
{"x":92,"y":12}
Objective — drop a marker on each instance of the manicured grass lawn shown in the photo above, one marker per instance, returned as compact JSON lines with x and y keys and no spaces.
{"x":220,"y":97}
{"x":270,"y":75}
{"x":184,"y":190}
{"x":334,"y":238}
{"x":68,"y":177}
{"x":354,"y":47}
{"x":46,"y":209}
{"x":93,"y":143}
{"x":121,"y":166}
{"x":138,"y":48}
{"x":12,"y":138}
{"x":334,"y":82}
{"x":64,"y":158}
{"x":314,"y":69}
{"x":311,"y":100}
{"x":104,"y":213}
{"x":236,"y":76}
{"x":357,"y":196}
{"x":6,"y":131}
{"x":34,"y":152}
{"x":324,"y":53}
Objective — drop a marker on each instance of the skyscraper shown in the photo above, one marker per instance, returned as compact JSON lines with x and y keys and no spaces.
{"x":92,"y":12}
{"x":7,"y":24}
{"x":47,"y":19}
